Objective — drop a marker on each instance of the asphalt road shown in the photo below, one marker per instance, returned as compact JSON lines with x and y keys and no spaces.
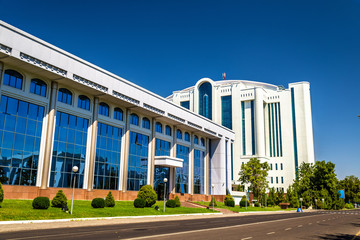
{"x":314,"y":225}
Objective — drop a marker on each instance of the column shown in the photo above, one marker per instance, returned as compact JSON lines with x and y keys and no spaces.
{"x":173,"y":154}
{"x":126,"y":149}
{"x":93,"y":144}
{"x":49,"y":135}
{"x":151,"y":169}
{"x":207,"y":167}
{"x":259,"y":121}
{"x":191,"y":166}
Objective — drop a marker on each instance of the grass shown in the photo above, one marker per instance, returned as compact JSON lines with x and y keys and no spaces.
{"x":243,"y":209}
{"x":22,"y":210}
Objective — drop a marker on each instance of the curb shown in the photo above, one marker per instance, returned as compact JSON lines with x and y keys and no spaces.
{"x":103,"y":218}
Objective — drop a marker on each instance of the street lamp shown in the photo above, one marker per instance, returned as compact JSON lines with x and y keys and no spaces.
{"x":213,"y":198}
{"x":75,"y":169}
{"x":246,"y":199}
{"x":301,"y":199}
{"x":165,"y":181}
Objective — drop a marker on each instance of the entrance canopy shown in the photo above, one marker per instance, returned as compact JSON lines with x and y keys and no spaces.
{"x":167,"y":161}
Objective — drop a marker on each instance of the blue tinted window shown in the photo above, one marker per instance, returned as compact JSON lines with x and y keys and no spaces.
{"x":38,"y":87}
{"x":202,"y":141}
{"x":107,"y":159}
{"x":199,"y":158}
{"x":118,"y":114}
{"x":84,"y":102}
{"x":146,"y":123}
{"x":252,"y":127}
{"x":277,"y":179}
{"x":69,"y":150}
{"x":187,"y":137}
{"x":158,"y":127}
{"x":13,"y":79}
{"x":178,"y":134}
{"x":185,"y":104}
{"x":205,"y":100}
{"x":182,"y":174}
{"x":20,"y":132}
{"x":276,"y":168}
{"x":104,"y":109}
{"x":226,"y":111}
{"x":168,"y":130}
{"x":282,"y":179}
{"x":138,"y":161}
{"x":65,"y":96}
{"x":243,"y":127}
{"x":134,"y":119}
{"x":162,"y":148}
{"x":196,"y":140}
{"x":272,"y":180}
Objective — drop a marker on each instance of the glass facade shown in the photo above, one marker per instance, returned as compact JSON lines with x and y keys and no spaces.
{"x":243,"y":127}
{"x":13,"y":79}
{"x":65,"y":96}
{"x":185,"y":104}
{"x":162,"y":148}
{"x":118,"y":114}
{"x":275,"y":130}
{"x":146,"y":123}
{"x":138,"y":161}
{"x":178,"y":134}
{"x":205,"y":100}
{"x":182,"y":174}
{"x":84,"y":102}
{"x":107,"y":159}
{"x":134,"y":119}
{"x":69,"y":150}
{"x":38,"y":87}
{"x":158,"y":127}
{"x":104,"y":109}
{"x":199,"y":158}
{"x":294,"y":129}
{"x":226,"y":111}
{"x":187,"y":137}
{"x":20,"y":134}
{"x":168,"y":130}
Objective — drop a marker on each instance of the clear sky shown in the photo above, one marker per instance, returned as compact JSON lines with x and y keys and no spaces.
{"x":169,"y":45}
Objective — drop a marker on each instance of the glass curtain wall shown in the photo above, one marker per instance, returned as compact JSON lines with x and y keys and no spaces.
{"x":199,"y":157}
{"x":162,"y":148}
{"x":107,"y":159}
{"x":205,"y":100}
{"x":182,"y":174}
{"x":69,"y":150}
{"x":138,"y":161}
{"x":226,"y":111}
{"x":20,"y":134}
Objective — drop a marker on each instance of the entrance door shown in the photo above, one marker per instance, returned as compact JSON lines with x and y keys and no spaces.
{"x":160,"y":174}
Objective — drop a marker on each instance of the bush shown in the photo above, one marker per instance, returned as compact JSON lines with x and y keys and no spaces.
{"x":177,"y":200}
{"x":349,"y":206}
{"x":244,"y":202}
{"x":109,"y":200}
{"x":41,"y":203}
{"x":1,"y":194}
{"x":230,"y":203}
{"x":228,"y":198}
{"x":256,"y":204}
{"x":171,"y":203}
{"x":212,"y":201}
{"x":148,"y":194}
{"x":98,"y":203}
{"x":139,"y":203}
{"x":59,"y":200}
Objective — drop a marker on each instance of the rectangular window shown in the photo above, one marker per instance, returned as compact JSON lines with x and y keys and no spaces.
{"x":272,"y":180}
{"x":270,"y":166}
{"x":226,"y":111}
{"x":282,"y":179}
{"x":182,"y":174}
{"x":277,"y":179}
{"x":281,"y":166}
{"x":276,"y":167}
{"x":199,"y":158}
{"x":185,"y":104}
{"x":243,"y":127}
{"x":253,"y":127}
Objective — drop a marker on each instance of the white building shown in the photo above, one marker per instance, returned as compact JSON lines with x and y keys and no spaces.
{"x":270,"y":123}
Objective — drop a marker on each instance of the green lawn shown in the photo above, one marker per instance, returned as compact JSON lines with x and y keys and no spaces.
{"x":22,"y":210}
{"x":243,"y":209}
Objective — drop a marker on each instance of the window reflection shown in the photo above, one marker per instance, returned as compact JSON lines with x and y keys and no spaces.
{"x":199,"y":157}
{"x":84,"y":102}
{"x":13,"y":79}
{"x":38,"y":87}
{"x":104,"y":109}
{"x":134,"y":119}
{"x":118,"y":114}
{"x":168,"y":130}
{"x":65,"y":96}
{"x":182,"y":174}
{"x":146,"y":123}
{"x":158,"y":127}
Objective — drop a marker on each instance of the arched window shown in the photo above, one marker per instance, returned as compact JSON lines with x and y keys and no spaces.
{"x":38,"y":87}
{"x":118,"y":114}
{"x":13,"y":79}
{"x":187,"y":137}
{"x":104,"y":109}
{"x":158,"y":127}
{"x":65,"y":96}
{"x":168,"y":130}
{"x":205,"y":100}
{"x":178,"y":134}
{"x":134,"y":119}
{"x":196,"y":140}
{"x":202,"y":142}
{"x":84,"y":102}
{"x":146,"y":123}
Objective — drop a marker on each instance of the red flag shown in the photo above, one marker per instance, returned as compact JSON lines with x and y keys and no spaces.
{"x":224,"y":75}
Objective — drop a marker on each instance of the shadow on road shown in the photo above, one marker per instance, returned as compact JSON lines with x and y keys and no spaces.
{"x":339,"y":236}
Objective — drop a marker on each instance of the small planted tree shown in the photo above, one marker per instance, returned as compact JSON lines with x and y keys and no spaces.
{"x":177,"y":200}
{"x":110,"y":200}
{"x":148,"y":194}
{"x":244,"y":202}
{"x":212,"y":202}
{"x":59,"y":200}
{"x":98,"y":203}
{"x":229,"y":201}
{"x":41,"y":203}
{"x":1,"y":194}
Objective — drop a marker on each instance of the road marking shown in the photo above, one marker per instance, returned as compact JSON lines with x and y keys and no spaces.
{"x":324,"y":220}
{"x":246,"y":238}
{"x":300,"y":225}
{"x":310,"y":223}
{"x":270,"y":233}
{"x":317,"y":221}
{"x":288,"y":229}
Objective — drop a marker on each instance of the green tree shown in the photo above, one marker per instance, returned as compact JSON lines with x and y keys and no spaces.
{"x":279,"y":198}
{"x":271,"y":197}
{"x":109,"y":200}
{"x":254,"y":173}
{"x":292,"y":197}
{"x":351,"y":186}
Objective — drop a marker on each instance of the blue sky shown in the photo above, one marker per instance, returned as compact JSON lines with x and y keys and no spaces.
{"x":169,"y":45}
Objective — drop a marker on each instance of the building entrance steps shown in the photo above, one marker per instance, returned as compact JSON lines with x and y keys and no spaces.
{"x":195,"y":205}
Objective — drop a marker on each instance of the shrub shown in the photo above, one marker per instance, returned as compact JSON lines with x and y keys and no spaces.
{"x":349,"y":206}
{"x":212,"y":201}
{"x":59,"y":200}
{"x":1,"y":194}
{"x":109,"y":200}
{"x":256,"y":204}
{"x":227,"y":199}
{"x":41,"y":203}
{"x":139,"y":203}
{"x":98,"y":203}
{"x":243,"y":202}
{"x":177,"y":200}
{"x":171,"y":203}
{"x":148,"y":194}
{"x":230,"y":203}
